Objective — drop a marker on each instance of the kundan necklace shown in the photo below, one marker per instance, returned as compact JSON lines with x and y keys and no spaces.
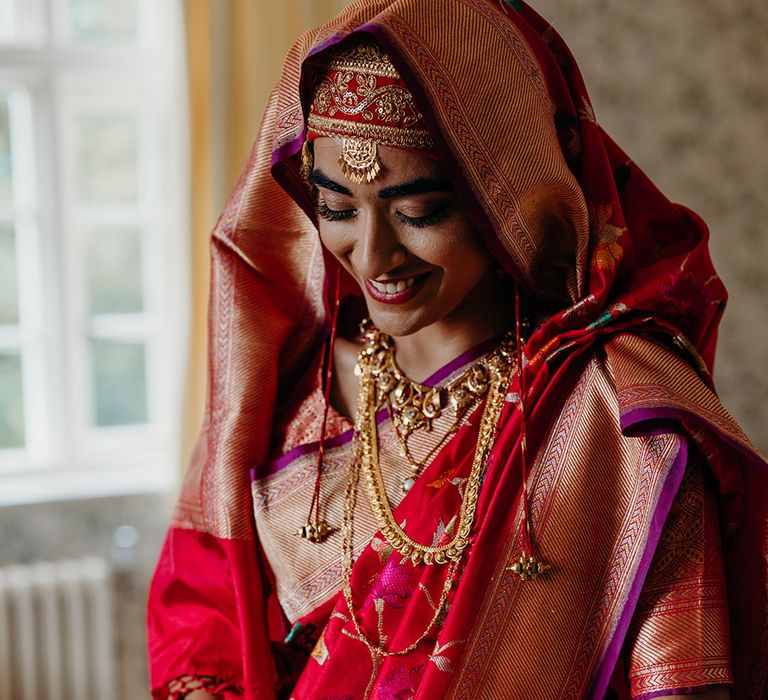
{"x":412,"y":406}
{"x":417,"y":405}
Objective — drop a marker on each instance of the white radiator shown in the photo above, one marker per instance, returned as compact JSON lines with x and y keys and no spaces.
{"x":56,"y":636}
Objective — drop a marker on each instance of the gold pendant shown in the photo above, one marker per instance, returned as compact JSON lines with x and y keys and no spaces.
{"x":528,"y":568}
{"x":316,"y":532}
{"x":359,"y":159}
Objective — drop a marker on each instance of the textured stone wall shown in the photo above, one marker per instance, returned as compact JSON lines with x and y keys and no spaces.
{"x":682,"y":87}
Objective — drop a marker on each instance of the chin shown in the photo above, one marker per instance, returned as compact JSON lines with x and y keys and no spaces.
{"x":396,"y":323}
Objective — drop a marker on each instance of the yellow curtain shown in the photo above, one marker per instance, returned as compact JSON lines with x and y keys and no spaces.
{"x":235,"y":50}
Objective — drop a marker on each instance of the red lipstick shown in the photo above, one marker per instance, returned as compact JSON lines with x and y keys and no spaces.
{"x":395,"y":297}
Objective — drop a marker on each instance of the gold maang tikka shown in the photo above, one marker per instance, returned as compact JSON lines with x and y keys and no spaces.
{"x":362,"y":100}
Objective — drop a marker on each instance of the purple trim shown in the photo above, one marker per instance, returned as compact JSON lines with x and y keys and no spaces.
{"x":330,"y":41}
{"x":682,"y":691}
{"x":663,"y":506}
{"x":288,"y":149}
{"x":463,"y":359}
{"x":639,"y":421}
{"x":279,"y":463}
{"x":631,"y":421}
{"x":276,"y":465}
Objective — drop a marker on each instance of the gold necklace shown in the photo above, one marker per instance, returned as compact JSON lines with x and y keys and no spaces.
{"x":377,"y":650}
{"x":499,"y":366}
{"x":417,"y":405}
{"x":373,"y":359}
{"x":412,"y":406}
{"x":418,"y":466}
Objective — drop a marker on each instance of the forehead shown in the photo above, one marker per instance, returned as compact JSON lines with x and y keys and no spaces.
{"x":397,"y":165}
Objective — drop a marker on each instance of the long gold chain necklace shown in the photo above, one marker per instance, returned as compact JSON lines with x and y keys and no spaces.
{"x":347,"y":529}
{"x":498,"y":367}
{"x":373,"y":361}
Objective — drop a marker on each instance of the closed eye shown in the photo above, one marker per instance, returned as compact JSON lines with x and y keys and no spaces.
{"x":325,"y":212}
{"x":430,"y":219}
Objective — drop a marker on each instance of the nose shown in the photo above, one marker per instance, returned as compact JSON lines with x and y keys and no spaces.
{"x":379,"y":247}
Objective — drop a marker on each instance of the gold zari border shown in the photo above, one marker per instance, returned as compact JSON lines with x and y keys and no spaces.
{"x":384,"y":135}
{"x":369,"y":59}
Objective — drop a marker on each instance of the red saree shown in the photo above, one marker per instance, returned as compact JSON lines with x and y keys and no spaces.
{"x":621,"y":413}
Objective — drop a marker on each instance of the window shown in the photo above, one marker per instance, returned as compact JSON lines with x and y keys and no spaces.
{"x":93,"y":250}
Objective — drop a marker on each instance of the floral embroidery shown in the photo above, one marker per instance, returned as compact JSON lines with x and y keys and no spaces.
{"x":608,"y":252}
{"x":611,"y":314}
{"x":687,"y":297}
{"x":320,"y":652}
{"x":401,"y":684}
{"x":449,"y":477}
{"x":382,"y":548}
{"x":178,"y":688}
{"x":440,"y":660}
{"x":391,"y":586}
{"x":443,"y":479}
{"x":587,"y":112}
{"x":444,"y":532}
{"x":580,"y":308}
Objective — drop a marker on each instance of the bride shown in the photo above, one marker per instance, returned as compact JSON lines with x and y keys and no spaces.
{"x":462,"y":439}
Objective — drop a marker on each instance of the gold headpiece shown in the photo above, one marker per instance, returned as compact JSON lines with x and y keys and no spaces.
{"x":362,"y":100}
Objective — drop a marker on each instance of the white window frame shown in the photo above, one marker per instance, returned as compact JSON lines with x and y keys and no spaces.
{"x":65,"y":456}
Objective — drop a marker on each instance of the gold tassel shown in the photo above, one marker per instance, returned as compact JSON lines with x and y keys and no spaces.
{"x":307,"y":161}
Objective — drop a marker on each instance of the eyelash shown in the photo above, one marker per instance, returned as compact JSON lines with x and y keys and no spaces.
{"x":324,"y":212}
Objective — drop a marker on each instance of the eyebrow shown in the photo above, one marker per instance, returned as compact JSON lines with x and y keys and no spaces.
{"x":420,"y":185}
{"x":320,"y":179}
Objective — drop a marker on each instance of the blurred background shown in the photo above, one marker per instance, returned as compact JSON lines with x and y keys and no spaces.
{"x":123,"y":124}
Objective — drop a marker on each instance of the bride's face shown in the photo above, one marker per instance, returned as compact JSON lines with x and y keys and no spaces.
{"x":405,"y":238}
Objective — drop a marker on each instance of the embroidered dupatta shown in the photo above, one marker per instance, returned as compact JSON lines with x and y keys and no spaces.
{"x":614,"y":412}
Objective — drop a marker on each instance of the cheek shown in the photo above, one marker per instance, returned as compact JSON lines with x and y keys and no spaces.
{"x":333,"y":240}
{"x":462,"y":252}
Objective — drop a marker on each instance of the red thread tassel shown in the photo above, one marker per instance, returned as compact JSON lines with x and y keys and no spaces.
{"x":315,"y":529}
{"x":527,"y":543}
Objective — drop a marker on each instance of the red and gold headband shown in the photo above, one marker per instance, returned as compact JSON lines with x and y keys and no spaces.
{"x":362,"y":100}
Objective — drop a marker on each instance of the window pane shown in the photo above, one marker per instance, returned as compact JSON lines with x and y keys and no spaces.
{"x":11,"y":402}
{"x":6,"y":191}
{"x":7,"y":20}
{"x":107,"y":158}
{"x":115,"y":271}
{"x":9,"y":289}
{"x":120,"y":383}
{"x":103,"y":20}
{"x":21,"y":21}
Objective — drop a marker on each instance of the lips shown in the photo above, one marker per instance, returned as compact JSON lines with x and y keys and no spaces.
{"x":395,"y":291}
